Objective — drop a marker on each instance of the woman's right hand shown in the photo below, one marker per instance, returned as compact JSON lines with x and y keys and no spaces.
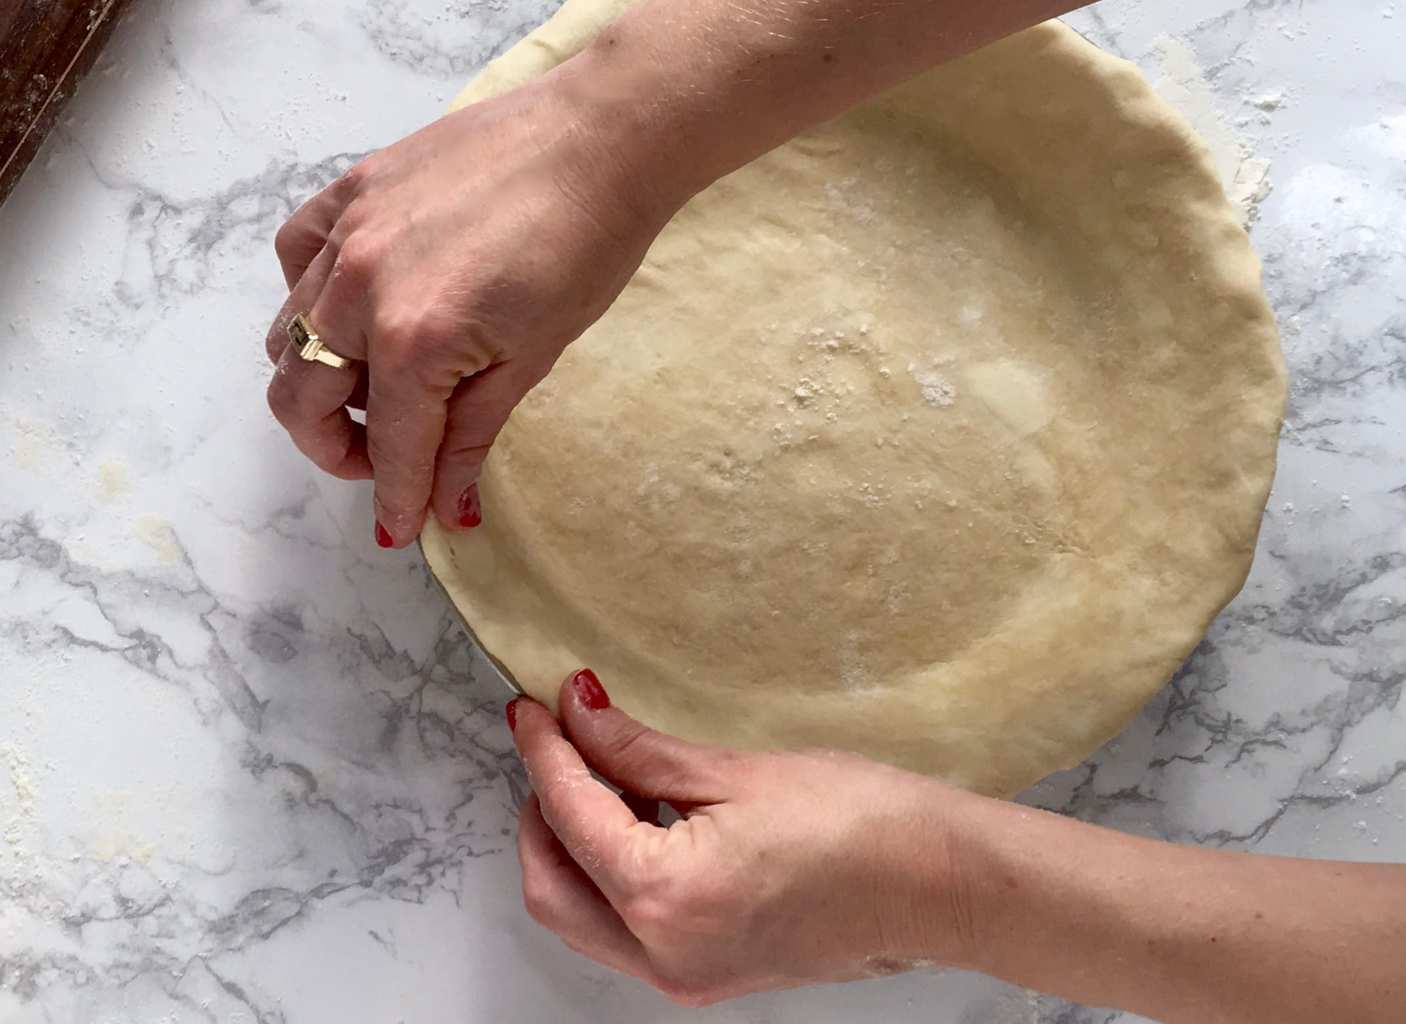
{"x":787,"y":869}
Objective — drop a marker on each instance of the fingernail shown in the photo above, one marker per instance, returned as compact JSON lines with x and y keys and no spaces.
{"x":470,"y":512}
{"x":383,"y":537}
{"x":589,"y":691}
{"x":511,"y":712}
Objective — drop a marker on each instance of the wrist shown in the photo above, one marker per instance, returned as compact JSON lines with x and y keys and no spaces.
{"x":933,"y":883}
{"x":637,"y":111}
{"x":992,"y":886}
{"x":1069,"y":908}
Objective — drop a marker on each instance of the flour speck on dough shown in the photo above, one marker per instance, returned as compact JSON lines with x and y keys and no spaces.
{"x":854,"y":672}
{"x":848,"y":195}
{"x":874,"y":495}
{"x":937,"y":390}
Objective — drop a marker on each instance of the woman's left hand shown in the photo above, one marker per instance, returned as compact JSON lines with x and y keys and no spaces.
{"x":786,"y":869}
{"x":453,"y":268}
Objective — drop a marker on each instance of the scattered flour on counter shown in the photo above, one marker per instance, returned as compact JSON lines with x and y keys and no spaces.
{"x":1014,"y":1007}
{"x":1249,"y":187}
{"x":159,"y":535}
{"x":17,"y":765}
{"x":112,"y":480}
{"x":1184,"y":85}
{"x":40,"y":446}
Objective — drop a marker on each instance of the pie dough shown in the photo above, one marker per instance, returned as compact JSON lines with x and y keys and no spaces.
{"x":938,"y":434}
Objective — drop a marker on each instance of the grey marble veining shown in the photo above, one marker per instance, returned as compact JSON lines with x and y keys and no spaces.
{"x":248,"y":772}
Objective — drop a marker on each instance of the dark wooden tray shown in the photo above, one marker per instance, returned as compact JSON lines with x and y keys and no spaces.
{"x":46,"y":46}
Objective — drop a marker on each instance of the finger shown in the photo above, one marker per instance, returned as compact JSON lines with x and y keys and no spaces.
{"x":305,"y":234}
{"x":276,"y":340}
{"x":591,"y":821}
{"x":562,"y":898}
{"x":476,"y":413}
{"x":405,"y":420}
{"x":309,"y":399}
{"x":300,"y":300}
{"x":642,"y":760}
{"x":342,"y":308}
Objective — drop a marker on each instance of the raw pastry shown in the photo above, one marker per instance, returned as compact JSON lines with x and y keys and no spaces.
{"x":939,"y":434}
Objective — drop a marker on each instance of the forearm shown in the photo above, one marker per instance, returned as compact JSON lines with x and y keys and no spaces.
{"x":704,"y":86}
{"x":1183,"y":934}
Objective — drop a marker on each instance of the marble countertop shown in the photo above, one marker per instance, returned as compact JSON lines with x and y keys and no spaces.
{"x":247,"y":771}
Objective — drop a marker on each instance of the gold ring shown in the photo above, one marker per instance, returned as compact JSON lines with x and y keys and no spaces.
{"x":310,"y":346}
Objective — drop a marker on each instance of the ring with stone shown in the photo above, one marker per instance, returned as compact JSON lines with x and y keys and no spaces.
{"x":310,"y":346}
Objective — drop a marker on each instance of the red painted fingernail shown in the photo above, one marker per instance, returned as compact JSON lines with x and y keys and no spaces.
{"x":511,"y":712}
{"x":589,"y":691}
{"x":383,"y":538}
{"x":470,"y":511}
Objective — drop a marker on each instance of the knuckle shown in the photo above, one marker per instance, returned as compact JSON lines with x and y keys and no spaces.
{"x":355,"y":215}
{"x":282,"y":400}
{"x":466,"y":453}
{"x":407,"y":456}
{"x":685,"y":992}
{"x":285,"y":240}
{"x":354,"y":179}
{"x":398,"y":474}
{"x":640,"y":750}
{"x":357,"y":259}
{"x":398,"y":339}
{"x":556,"y":793}
{"x":654,"y":912}
{"x":631,"y":741}
{"x":576,"y":946}
{"x":536,"y":897}
{"x":667,"y":902}
{"x":419,"y":352}
{"x":276,"y":341}
{"x":441,"y":336}
{"x":396,"y":515}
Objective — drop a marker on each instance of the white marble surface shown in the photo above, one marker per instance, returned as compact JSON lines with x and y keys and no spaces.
{"x":246,"y":772}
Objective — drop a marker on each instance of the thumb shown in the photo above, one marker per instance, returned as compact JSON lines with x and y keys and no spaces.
{"x":633,"y":756}
{"x":479,"y":407}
